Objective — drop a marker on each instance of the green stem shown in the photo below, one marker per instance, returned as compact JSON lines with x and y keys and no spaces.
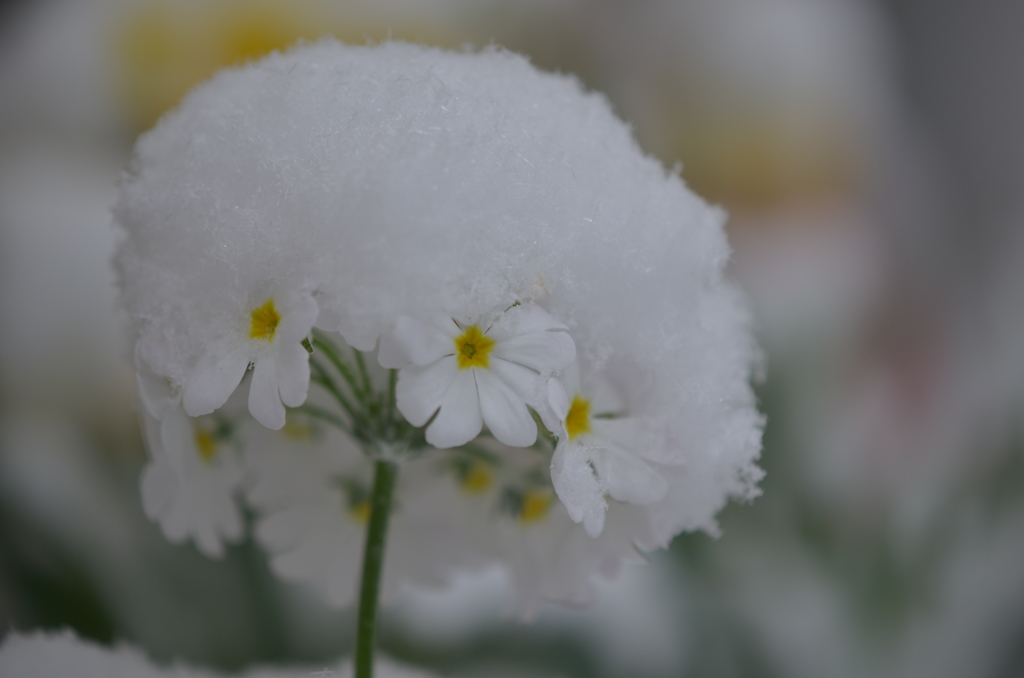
{"x":343,"y":369}
{"x":385,"y":473}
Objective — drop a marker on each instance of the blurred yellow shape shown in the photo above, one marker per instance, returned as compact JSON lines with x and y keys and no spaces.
{"x":162,"y":49}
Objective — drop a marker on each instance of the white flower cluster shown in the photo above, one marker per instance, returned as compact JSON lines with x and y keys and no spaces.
{"x":544,"y":299}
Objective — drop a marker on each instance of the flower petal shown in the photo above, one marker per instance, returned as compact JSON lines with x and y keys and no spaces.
{"x":420,"y":389}
{"x":504,"y":411}
{"x":523,"y":319}
{"x":524,"y":382}
{"x":644,"y":438}
{"x":390,"y":354}
{"x":578,"y":488}
{"x":214,"y":378}
{"x":459,"y":420}
{"x":628,"y":478}
{"x":264,"y":401}
{"x":542,"y":351}
{"x":604,"y":398}
{"x":555,"y":407}
{"x":423,"y":343}
{"x":292,"y":373}
{"x":297,"y":320}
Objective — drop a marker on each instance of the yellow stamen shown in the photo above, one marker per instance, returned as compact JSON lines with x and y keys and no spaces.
{"x":478,"y":479}
{"x":264,"y":322}
{"x":535,"y":506}
{"x":360,"y":512}
{"x":472,"y":348}
{"x":206,"y":445}
{"x":577,"y":422}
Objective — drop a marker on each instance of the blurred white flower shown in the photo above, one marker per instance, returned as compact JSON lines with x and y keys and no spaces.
{"x":311,"y":487}
{"x":190,"y":482}
{"x":597,"y":455}
{"x":471,"y":376}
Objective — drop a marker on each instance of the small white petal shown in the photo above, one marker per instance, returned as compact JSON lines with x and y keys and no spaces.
{"x":423,"y":343}
{"x":208,"y":542}
{"x":177,"y":440}
{"x":523,"y":319}
{"x":459,"y":420}
{"x":297,"y":320}
{"x":578,"y":488}
{"x":604,"y":398}
{"x":264,"y":401}
{"x":555,"y":408}
{"x":328,"y":319}
{"x":642,"y":437}
{"x":292,"y":373}
{"x":628,"y":478}
{"x":540,"y":351}
{"x":157,"y":490}
{"x":524,"y":382}
{"x":420,"y":389}
{"x":390,"y":354}
{"x":504,"y":412}
{"x":214,"y":378}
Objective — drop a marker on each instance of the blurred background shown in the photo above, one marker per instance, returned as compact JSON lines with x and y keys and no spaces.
{"x":871,"y":156}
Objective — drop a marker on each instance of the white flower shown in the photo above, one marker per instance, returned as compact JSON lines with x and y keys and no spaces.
{"x":268,"y":335}
{"x":190,"y":483}
{"x":597,"y":455}
{"x":312,"y":488}
{"x":474,"y":374}
{"x":507,"y":507}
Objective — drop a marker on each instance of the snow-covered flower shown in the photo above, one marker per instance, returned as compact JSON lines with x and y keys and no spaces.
{"x":431,"y":201}
{"x":601,"y":453}
{"x":268,"y":335}
{"x":476,"y":373}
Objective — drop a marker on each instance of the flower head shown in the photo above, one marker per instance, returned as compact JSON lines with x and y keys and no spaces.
{"x":524,"y":230}
{"x":269,"y":336}
{"x":601,"y":452}
{"x":471,"y":375}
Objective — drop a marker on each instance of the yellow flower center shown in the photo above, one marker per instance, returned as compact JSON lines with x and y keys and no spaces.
{"x":360,"y":512}
{"x":535,"y":506}
{"x":577,"y":422}
{"x":264,"y":321}
{"x":206,"y":445}
{"x":478,"y":479}
{"x":472,"y":348}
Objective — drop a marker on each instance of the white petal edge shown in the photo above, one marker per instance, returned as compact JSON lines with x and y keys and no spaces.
{"x":292,"y":373}
{"x":504,"y":412}
{"x":421,"y":342}
{"x":578,"y":488}
{"x":214,"y":378}
{"x":264,"y":400}
{"x":460,"y":419}
{"x":420,"y":389}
